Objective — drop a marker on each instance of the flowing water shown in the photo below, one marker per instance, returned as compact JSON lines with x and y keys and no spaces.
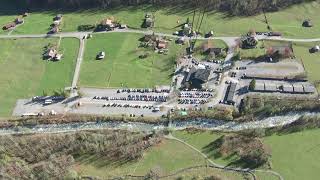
{"x":207,"y":124}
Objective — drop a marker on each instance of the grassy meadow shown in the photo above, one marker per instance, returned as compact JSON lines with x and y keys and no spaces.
{"x":122,"y":65}
{"x":24,"y":74}
{"x":294,"y":156}
{"x":165,"y":158}
{"x":168,"y":19}
{"x":311,"y":61}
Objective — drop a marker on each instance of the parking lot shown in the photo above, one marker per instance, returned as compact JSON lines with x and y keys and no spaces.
{"x":284,"y":69}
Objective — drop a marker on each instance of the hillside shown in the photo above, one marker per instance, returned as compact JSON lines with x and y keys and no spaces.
{"x":231,"y":7}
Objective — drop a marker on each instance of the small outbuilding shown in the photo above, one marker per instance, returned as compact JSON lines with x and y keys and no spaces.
{"x":314,"y":49}
{"x":307,"y":23}
{"x":101,"y":55}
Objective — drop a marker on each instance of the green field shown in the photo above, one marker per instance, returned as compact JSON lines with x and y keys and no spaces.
{"x":122,"y":65}
{"x":165,"y":158}
{"x":294,"y":156}
{"x":287,"y":21}
{"x":24,"y":74}
{"x":311,"y":61}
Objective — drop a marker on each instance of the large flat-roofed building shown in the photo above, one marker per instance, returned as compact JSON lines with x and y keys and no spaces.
{"x":287,"y":88}
{"x":259,"y":87}
{"x":231,"y":92}
{"x":298,"y":88}
{"x":270,"y":87}
{"x":309,"y":89}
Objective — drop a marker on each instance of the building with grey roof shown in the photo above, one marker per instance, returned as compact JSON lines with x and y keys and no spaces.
{"x":270,"y":87}
{"x":259,"y":86}
{"x":309,"y":89}
{"x":298,"y":88}
{"x":287,"y":88}
{"x":231,"y":92}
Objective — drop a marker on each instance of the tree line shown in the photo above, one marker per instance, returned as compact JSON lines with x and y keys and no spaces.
{"x":232,"y":7}
{"x":50,"y":156}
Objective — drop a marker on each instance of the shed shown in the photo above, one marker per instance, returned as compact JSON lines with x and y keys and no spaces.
{"x":307,"y":23}
{"x":298,"y":88}
{"x":162,"y":44}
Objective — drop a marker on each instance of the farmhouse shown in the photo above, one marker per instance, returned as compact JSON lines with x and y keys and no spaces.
{"x":19,"y":20}
{"x":280,"y":52}
{"x":108,"y":23}
{"x":58,"y":17}
{"x":52,"y":54}
{"x":162,"y":44}
{"x":208,"y":48}
{"x":54,"y":30}
{"x":197,"y":77}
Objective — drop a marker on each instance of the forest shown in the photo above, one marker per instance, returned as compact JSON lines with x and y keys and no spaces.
{"x":231,"y":7}
{"x":50,"y":156}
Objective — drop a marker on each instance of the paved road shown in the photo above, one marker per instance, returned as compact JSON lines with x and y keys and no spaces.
{"x":79,"y":62}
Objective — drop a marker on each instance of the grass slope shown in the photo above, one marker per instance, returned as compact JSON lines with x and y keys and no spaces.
{"x":296,"y":156}
{"x":287,"y":21}
{"x":165,"y":158}
{"x":122,"y":65}
{"x":23,"y":73}
{"x":311,"y":61}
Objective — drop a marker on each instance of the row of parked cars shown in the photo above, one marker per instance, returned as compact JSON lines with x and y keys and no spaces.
{"x":146,"y":90}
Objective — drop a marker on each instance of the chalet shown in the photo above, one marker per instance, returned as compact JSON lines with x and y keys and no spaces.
{"x":19,"y":20}
{"x":148,"y":21}
{"x":208,"y":48}
{"x":9,"y":26}
{"x":249,"y":42}
{"x":314,"y":49}
{"x":108,"y":23}
{"x":181,"y":40}
{"x":280,"y":52}
{"x":197,"y":77}
{"x":162,"y":44}
{"x":25,"y":14}
{"x":50,"y":54}
{"x":58,"y":17}
{"x":54,"y":30}
{"x":307,"y":23}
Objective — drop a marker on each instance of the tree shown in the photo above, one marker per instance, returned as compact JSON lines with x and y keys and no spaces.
{"x":252,"y":85}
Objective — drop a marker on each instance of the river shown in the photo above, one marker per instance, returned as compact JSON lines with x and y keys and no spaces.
{"x":207,"y":124}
